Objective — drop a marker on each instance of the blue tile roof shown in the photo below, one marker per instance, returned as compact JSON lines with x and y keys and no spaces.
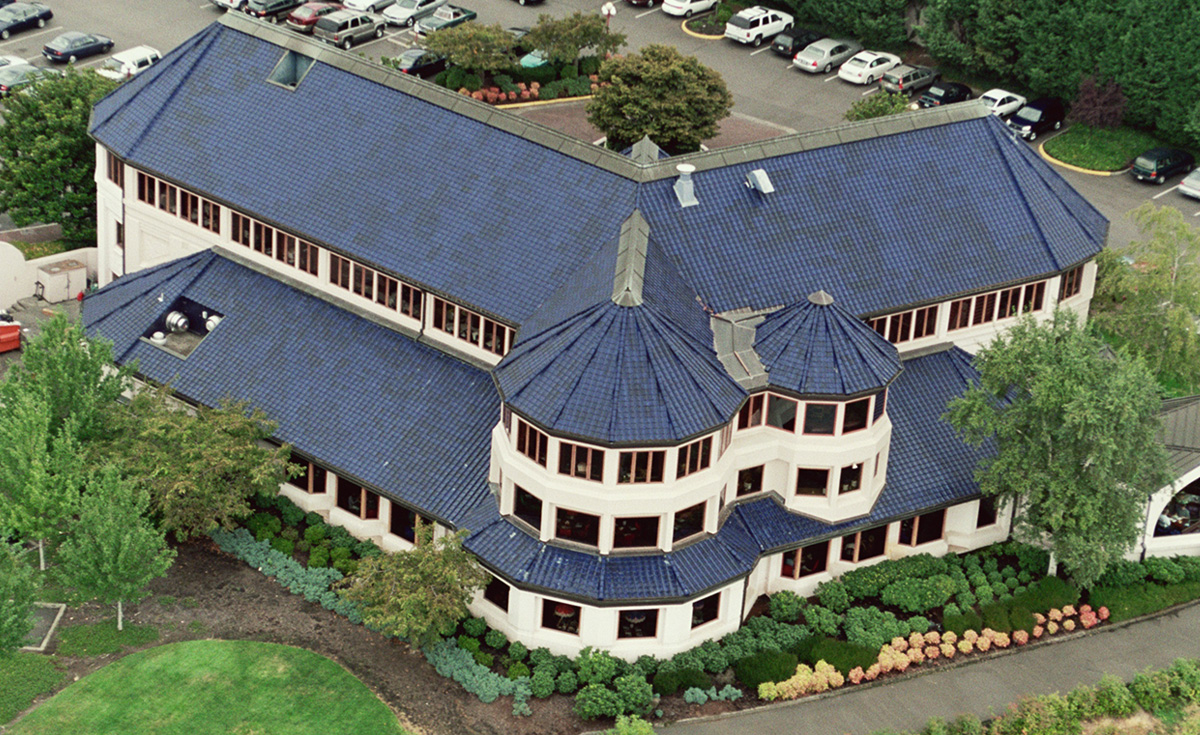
{"x":360,"y":398}
{"x":822,"y":349}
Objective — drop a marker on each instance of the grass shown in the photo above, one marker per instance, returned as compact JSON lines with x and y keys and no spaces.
{"x":1144,"y":598}
{"x":1100,"y":149}
{"x":215,"y":687}
{"x":101,"y":638}
{"x":33,"y":250}
{"x":24,"y":676}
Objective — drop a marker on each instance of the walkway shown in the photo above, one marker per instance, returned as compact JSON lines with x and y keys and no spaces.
{"x":981,"y":687}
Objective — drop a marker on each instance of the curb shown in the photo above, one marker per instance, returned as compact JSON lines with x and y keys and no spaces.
{"x":540,"y":103}
{"x":693,"y":34}
{"x":1077,"y":169}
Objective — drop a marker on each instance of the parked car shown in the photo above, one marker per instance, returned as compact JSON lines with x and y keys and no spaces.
{"x":271,"y":10}
{"x":642,"y":3}
{"x":420,"y":63}
{"x":74,"y":45}
{"x":687,"y":8}
{"x":533,"y":60}
{"x":908,"y":80}
{"x":15,"y":77}
{"x":10,"y":60}
{"x":944,"y":93}
{"x":408,"y":12}
{"x":1002,"y":103}
{"x":369,"y":6}
{"x":303,"y":18}
{"x":23,"y":16}
{"x":824,"y":55}
{"x":527,"y":2}
{"x":229,"y":4}
{"x":792,"y":41}
{"x":1035,"y":118}
{"x":867,"y":66}
{"x":128,"y":63}
{"x":1190,"y":185}
{"x":347,"y":27}
{"x":446,"y":16}
{"x":755,"y":24}
{"x":1158,"y":164}
{"x":518,"y":33}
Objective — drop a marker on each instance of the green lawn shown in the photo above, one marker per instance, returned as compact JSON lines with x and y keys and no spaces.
{"x":1099,"y":149}
{"x":217,"y":688}
{"x":33,"y":250}
{"x":103,"y":637}
{"x":23,"y":676}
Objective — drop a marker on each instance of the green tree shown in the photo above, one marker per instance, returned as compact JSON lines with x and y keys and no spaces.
{"x":1074,"y":431}
{"x":1152,"y":305}
{"x":200,"y":465}
{"x":672,"y":98}
{"x":562,"y":39}
{"x":18,"y":588}
{"x":474,"y":46}
{"x":114,"y":550}
{"x":421,"y":594}
{"x":46,"y":157}
{"x":879,"y":104}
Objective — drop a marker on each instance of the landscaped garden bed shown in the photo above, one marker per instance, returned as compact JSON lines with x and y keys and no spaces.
{"x":1099,"y":149}
{"x":525,"y":85}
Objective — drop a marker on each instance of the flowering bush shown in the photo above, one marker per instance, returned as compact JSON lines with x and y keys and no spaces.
{"x":1102,"y":613}
{"x":856,"y":675}
{"x":965,"y":646}
{"x":947,"y":650}
{"x":933,"y":638}
{"x":872,"y":673}
{"x":1085,"y":608}
{"x":1052,"y":627}
{"x":949,"y":637}
{"x":932,"y":653}
{"x":1020,"y":637}
{"x":916,"y":640}
{"x":1037,"y":631}
{"x":1068,"y":625}
{"x":1055,"y":615}
{"x":916,"y":655}
{"x":1001,"y":640}
{"x":1068,"y":611}
{"x":900,"y":644}
{"x":970,"y":636}
{"x":1088,"y":619}
{"x":1039,"y":618}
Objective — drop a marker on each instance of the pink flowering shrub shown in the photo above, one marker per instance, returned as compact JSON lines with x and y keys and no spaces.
{"x":1001,"y":640}
{"x":933,"y":638}
{"x":902,"y":664}
{"x":1039,"y":618}
{"x":1055,"y":615}
{"x":948,"y":650}
{"x":970,"y":636}
{"x":856,"y":675}
{"x":1020,"y":637}
{"x":949,"y":637}
{"x":1068,"y":611}
{"x":873,"y":672}
{"x":1052,"y":627}
{"x":1088,"y":619}
{"x":1068,"y":625}
{"x":916,"y":655}
{"x":983,"y":644}
{"x":965,"y":646}
{"x":1102,"y":613}
{"x":1037,"y":631}
{"x":916,"y":640}
{"x":900,"y":644}
{"x":932,"y":653}
{"x":1085,"y":608}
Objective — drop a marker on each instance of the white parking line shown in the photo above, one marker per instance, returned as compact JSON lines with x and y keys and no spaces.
{"x":1164,"y":193}
{"x":392,"y":36}
{"x":27,"y":36}
{"x":872,"y":90}
{"x":756,"y":53}
{"x":832,"y":75}
{"x":648,"y":12}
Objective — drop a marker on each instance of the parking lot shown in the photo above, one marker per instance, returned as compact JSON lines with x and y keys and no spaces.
{"x":764,"y":84}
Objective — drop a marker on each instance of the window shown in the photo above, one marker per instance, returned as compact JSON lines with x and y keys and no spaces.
{"x":410,"y":301}
{"x":751,"y":413}
{"x":167,"y":197}
{"x":726,"y":437}
{"x":339,"y":271}
{"x":403,"y":523}
{"x":527,"y":507}
{"x":210,"y":216}
{"x":577,"y":460}
{"x":311,"y":480}
{"x":812,"y":481}
{"x":307,"y":260}
{"x":189,"y":207}
{"x":638,"y":624}
{"x":1035,"y":295}
{"x":855,"y":418}
{"x":560,"y":616}
{"x":572,"y":525}
{"x":443,"y":315}
{"x":632,"y":533}
{"x":864,"y":545}
{"x":356,"y":499}
{"x":116,"y":170}
{"x":241,"y":229}
{"x":1010,"y":303}
{"x":898,"y":328}
{"x":120,"y":236}
{"x":960,"y":314}
{"x":1005,"y":304}
{"x":749,"y":481}
{"x":819,"y":418}
{"x":497,"y":593}
{"x":923,"y":528}
{"x":985,"y":309}
{"x":850,"y":479}
{"x":363,"y":281}
{"x":495,"y":337}
{"x":1072,"y":283}
{"x":646,"y":466}
{"x":781,"y":413}
{"x":694,"y":457}
{"x":987,"y":513}
{"x":470,"y":327}
{"x":814,"y":559}
{"x":285,"y":248}
{"x":688,"y":522}
{"x":263,"y":239}
{"x":706,"y":610}
{"x":145,"y":188}
{"x":531,"y":442}
{"x":925,"y":322}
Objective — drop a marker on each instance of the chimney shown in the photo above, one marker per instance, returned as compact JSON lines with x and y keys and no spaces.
{"x":683,"y":186}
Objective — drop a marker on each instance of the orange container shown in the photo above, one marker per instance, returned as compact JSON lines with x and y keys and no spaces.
{"x":10,"y":336}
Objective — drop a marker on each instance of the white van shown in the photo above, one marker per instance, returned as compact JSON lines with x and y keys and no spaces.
{"x":127,"y":63}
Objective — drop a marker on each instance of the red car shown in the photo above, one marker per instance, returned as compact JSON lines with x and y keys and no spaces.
{"x":303,"y":18}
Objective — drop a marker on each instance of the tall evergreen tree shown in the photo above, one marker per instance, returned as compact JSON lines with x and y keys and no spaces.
{"x":17,"y":590}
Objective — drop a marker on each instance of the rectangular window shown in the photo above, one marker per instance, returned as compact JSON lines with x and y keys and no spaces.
{"x":263,"y":239}
{"x":986,"y":516}
{"x":307,"y":258}
{"x":403,"y":523}
{"x":497,"y":593}
{"x":819,"y":418}
{"x":726,"y":437}
{"x":386,"y":291}
{"x":812,"y":481}
{"x":168,"y":197}
{"x":495,"y":337}
{"x":363,"y":281}
{"x":210,"y":216}
{"x":468,"y":327}
{"x":320,"y":481}
{"x":1010,"y":303}
{"x":923,"y":528}
{"x":410,"y":301}
{"x":864,"y":545}
{"x":706,"y":610}
{"x":960,"y":314}
{"x":311,"y":480}
{"x":880,"y":325}
{"x":638,"y":624}
{"x":285,"y":248}
{"x":116,"y":170}
{"x":189,"y":207}
{"x":855,"y":417}
{"x":694,"y":457}
{"x":573,"y":525}
{"x":985,"y":309}
{"x":145,"y":188}
{"x":646,"y":466}
{"x":850,"y":479}
{"x":120,"y":236}
{"x":925,"y":322}
{"x":301,"y":480}
{"x":443,"y":315}
{"x":339,"y":271}
{"x":560,"y":616}
{"x":349,"y":496}
{"x":900,"y":327}
{"x":688,"y":522}
{"x":577,"y":460}
{"x":633,"y":533}
{"x":752,"y":412}
{"x":781,"y":413}
{"x":1035,"y":296}
{"x":532,"y":443}
{"x":814,"y":559}
{"x":750,"y":481}
{"x":241,"y":229}
{"x":1072,"y":283}
{"x":527,"y":507}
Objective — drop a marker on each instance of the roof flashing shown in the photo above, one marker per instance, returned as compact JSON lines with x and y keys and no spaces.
{"x":291,"y":69}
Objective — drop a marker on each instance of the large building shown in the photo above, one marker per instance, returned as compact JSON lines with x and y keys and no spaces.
{"x":651,"y":389}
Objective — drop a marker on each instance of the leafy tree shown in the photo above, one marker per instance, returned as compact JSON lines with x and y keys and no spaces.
{"x":1152,"y":305}
{"x":562,"y":39}
{"x":114,"y":550}
{"x":1100,"y":105}
{"x":200,"y":466}
{"x":879,"y":104}
{"x":1074,"y":432}
{"x":672,"y":98}
{"x":474,"y":46}
{"x":421,"y":594}
{"x":46,"y":156}
{"x":17,"y":592}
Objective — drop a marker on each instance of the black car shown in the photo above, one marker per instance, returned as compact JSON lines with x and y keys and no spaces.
{"x":1159,"y":164}
{"x":792,"y":41}
{"x":271,"y":10}
{"x":15,"y":76}
{"x":23,"y":16}
{"x":420,"y":63}
{"x":74,"y":45}
{"x":944,"y":93}
{"x":1037,"y":117}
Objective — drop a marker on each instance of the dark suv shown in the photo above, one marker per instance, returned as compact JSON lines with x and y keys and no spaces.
{"x":944,"y":93}
{"x":1037,"y":117}
{"x":792,"y":41}
{"x":272,"y":10}
{"x":1158,"y":164}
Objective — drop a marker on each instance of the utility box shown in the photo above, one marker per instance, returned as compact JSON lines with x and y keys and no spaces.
{"x":61,"y":281}
{"x":10,"y":336}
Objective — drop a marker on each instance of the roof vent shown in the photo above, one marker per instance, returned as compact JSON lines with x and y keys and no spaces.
{"x":820,"y":298}
{"x":683,"y":186}
{"x":291,"y":69}
{"x":759,"y":181}
{"x":645,"y":151}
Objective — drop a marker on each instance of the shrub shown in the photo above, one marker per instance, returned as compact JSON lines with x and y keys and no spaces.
{"x":966,"y":600}
{"x":822,"y":621}
{"x":834,"y":595}
{"x":318,"y":558}
{"x":283,"y":545}
{"x":517,"y":670}
{"x":668,"y":682}
{"x":985,"y":594}
{"x":785,"y":606}
{"x":517,"y":651}
{"x":496,"y":640}
{"x":1098,"y":104}
{"x":635,"y":693}
{"x":541,"y":684}
{"x":552,"y":90}
{"x":340,"y":553}
{"x":477,"y":626}
{"x":919,"y":595}
{"x":995,"y":616}
{"x":313,"y":519}
{"x":1113,"y":698}
{"x":468,"y":644}
{"x":712,"y":656}
{"x":505,"y":83}
{"x":878,"y":105}
{"x":870,"y":581}
{"x":596,"y":700}
{"x":442,"y":78}
{"x":725,"y":11}
{"x":1190,"y":566}
{"x":366,"y":549}
{"x":871,"y":627}
{"x":951,"y":608}
{"x":765,"y":666}
{"x":292,"y":514}
{"x":842,"y":656}
{"x":1152,"y":691}
{"x":566,"y":682}
{"x":579,"y":86}
{"x":340,"y":538}
{"x":1048,"y":593}
{"x":1021,"y":619}
{"x":543,"y":75}
{"x":1142,"y":599}
{"x":919,"y":624}
{"x":1163,"y":571}
{"x":646,"y":665}
{"x":263,"y":526}
{"x":596,"y":666}
{"x":315,"y":534}
{"x":589,"y":65}
{"x":958,"y":624}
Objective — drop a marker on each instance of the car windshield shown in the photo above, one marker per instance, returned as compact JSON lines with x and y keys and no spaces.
{"x":738,"y":21}
{"x":891,"y":78}
{"x":1028,"y":114}
{"x":304,"y":12}
{"x":409,"y":57}
{"x":1145,"y":162}
{"x":444,"y":13}
{"x":407,"y":4}
{"x":112,"y":64}
{"x":782,"y":39}
{"x":991,"y":100}
{"x":10,"y":74}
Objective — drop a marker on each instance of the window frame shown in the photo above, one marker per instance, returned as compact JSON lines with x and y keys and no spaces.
{"x":749,"y":477}
{"x":824,"y":488}
{"x":798,"y":571}
{"x":700,"y":606}
{"x":565,"y":528}
{"x":676,"y":537}
{"x":856,"y":552}
{"x":619,"y":532}
{"x":912,"y":535}
{"x":570,"y":455}
{"x":694,"y":457}
{"x":518,"y":491}
{"x":551,"y":608}
{"x":532,"y":442}
{"x":648,"y":464}
{"x":650,"y":617}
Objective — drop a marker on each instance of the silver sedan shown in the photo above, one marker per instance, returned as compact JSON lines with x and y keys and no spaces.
{"x":822,"y":56}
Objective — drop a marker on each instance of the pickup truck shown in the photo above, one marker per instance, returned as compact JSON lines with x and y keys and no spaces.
{"x":446,"y":16}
